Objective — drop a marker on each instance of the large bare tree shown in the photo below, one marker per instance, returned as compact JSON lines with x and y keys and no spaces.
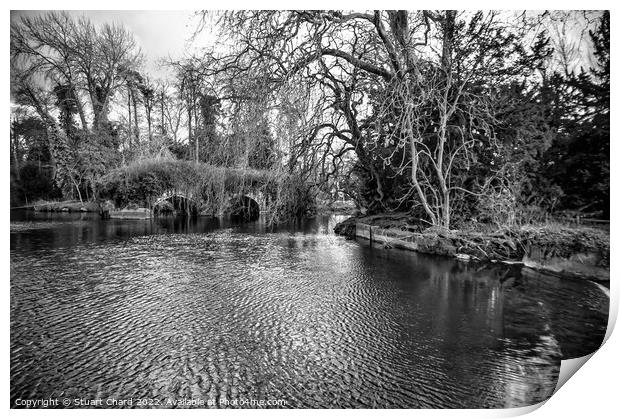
{"x":59,"y":49}
{"x":410,"y":94}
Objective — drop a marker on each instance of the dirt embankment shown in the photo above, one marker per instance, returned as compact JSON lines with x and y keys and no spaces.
{"x":571,"y":251}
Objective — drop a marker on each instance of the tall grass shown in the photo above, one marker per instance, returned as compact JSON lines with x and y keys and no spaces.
{"x":144,"y":181}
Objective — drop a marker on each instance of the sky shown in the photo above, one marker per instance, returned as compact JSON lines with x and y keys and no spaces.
{"x":159,"y":33}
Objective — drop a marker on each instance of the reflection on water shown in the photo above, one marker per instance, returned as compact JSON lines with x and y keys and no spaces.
{"x":173,"y":308}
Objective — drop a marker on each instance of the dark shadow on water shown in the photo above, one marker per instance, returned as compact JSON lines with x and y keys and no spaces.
{"x":38,"y":229}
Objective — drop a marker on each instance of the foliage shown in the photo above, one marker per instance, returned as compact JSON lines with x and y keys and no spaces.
{"x":144,"y":181}
{"x":578,"y":161}
{"x":450,"y":116}
{"x":35,"y":183}
{"x":295,"y":198}
{"x":65,"y":63}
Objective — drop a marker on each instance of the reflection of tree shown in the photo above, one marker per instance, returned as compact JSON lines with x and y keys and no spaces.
{"x":469,"y":298}
{"x":529,"y":376}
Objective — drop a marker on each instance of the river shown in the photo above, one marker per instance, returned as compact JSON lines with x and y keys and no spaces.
{"x":171,"y":309}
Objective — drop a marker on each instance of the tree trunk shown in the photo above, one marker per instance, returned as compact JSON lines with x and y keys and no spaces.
{"x":416,"y":183}
{"x":197,"y":150}
{"x":163,"y":121}
{"x":148,"y":122}
{"x":15,"y":145}
{"x":77,"y":188}
{"x":189,"y":125}
{"x":448,"y":39}
{"x":446,"y":62}
{"x":52,"y":156}
{"x":99,"y":114}
{"x":135,"y":118}
{"x":81,"y":112}
{"x":197,"y":137}
{"x":129,"y":131}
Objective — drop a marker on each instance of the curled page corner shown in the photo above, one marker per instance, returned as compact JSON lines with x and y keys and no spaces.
{"x":568,"y":368}
{"x":521,"y":411}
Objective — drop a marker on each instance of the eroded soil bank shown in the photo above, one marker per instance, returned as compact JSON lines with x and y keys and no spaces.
{"x":580,"y":252}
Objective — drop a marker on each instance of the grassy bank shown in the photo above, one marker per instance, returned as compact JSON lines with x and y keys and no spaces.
{"x":65,"y":206}
{"x":542,"y":246}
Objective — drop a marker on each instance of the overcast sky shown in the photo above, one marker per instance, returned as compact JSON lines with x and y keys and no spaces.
{"x":160,"y":33}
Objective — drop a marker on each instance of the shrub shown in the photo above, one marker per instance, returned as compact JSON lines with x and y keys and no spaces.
{"x":144,"y":181}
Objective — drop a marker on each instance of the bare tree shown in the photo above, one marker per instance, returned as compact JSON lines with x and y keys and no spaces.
{"x":66,"y":51}
{"x":81,"y":64}
{"x":403,"y":91}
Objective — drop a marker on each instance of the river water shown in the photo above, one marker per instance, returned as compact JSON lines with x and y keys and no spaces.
{"x":173,"y":309}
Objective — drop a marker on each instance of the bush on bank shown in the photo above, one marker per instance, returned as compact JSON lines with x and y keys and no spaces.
{"x":142,"y":182}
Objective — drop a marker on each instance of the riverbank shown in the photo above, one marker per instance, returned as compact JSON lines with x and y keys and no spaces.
{"x":106,"y":210}
{"x":64,"y":206}
{"x":336,"y":207}
{"x":579,"y":252}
